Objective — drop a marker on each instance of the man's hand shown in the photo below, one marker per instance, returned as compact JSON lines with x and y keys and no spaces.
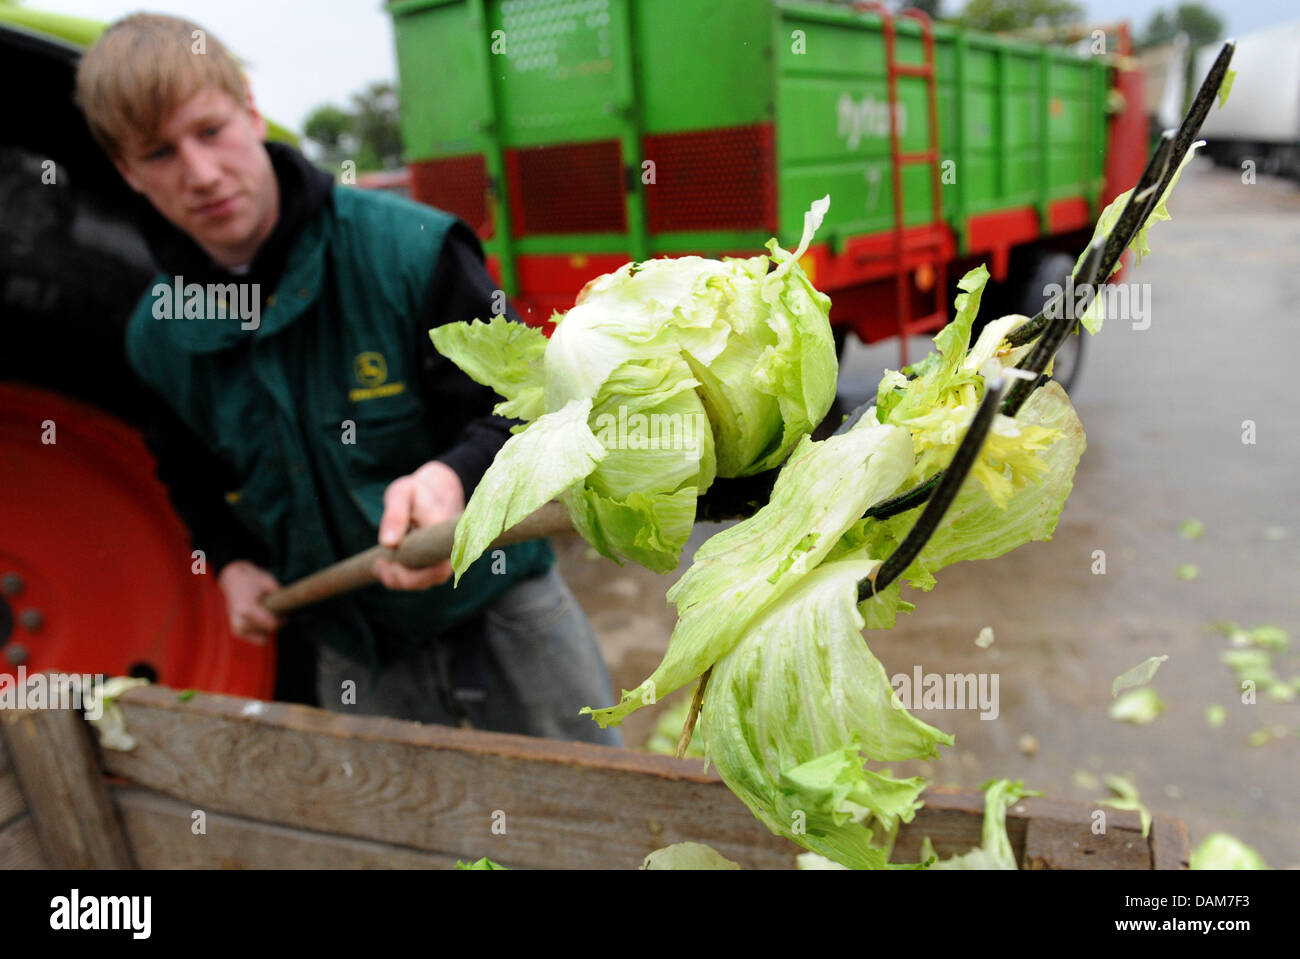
{"x":244,"y":584}
{"x":429,"y":495}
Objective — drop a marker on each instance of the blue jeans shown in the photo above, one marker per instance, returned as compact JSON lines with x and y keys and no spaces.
{"x":529,"y":667}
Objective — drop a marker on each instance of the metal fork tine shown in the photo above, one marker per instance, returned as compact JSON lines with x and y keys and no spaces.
{"x":967,"y":453}
{"x":1140,"y":203}
{"x":1062,"y":323}
{"x":1129,"y":222}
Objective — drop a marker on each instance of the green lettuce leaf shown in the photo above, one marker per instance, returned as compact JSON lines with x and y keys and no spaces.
{"x":975,"y":527}
{"x":1220,"y":850}
{"x":1225,"y":87}
{"x":556,"y":451}
{"x":819,"y":493}
{"x":688,"y":855}
{"x":738,"y":359}
{"x":792,"y":711}
{"x":1139,"y":675}
{"x":639,"y":503}
{"x":994,"y":850}
{"x":1137,"y":706}
{"x":503,"y":355}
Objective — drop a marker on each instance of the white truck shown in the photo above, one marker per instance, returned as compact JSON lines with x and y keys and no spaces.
{"x":1261,"y":121}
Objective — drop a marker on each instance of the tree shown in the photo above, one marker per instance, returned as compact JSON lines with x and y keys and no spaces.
{"x":377,"y":119}
{"x":1201,"y":24}
{"x":998,"y":16}
{"x":369,"y":133}
{"x":932,"y":7}
{"x":329,"y":129}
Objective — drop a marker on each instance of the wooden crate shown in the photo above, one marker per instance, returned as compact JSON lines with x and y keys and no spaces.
{"x":224,"y":782}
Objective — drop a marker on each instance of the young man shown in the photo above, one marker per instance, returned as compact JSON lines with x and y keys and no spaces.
{"x":303,"y":412}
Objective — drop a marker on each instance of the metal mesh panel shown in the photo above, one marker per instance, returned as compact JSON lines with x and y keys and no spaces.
{"x":712,"y":180}
{"x":571,"y":188}
{"x":545,"y":34}
{"x":457,"y":185}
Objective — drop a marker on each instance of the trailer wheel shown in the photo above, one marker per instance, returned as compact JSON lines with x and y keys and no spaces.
{"x":1046,"y":269}
{"x":96,"y":572}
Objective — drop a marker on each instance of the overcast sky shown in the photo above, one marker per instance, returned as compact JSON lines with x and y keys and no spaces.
{"x":302,"y":53}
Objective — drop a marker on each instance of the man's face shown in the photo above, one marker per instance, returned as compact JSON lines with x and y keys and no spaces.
{"x":207,"y":171}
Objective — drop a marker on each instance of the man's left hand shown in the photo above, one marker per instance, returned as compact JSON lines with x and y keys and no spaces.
{"x":429,"y":495}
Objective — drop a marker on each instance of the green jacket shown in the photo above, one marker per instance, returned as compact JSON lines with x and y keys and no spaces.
{"x":331,"y":355}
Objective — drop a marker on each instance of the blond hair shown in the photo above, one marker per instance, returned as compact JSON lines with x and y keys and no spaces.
{"x":142,"y":68}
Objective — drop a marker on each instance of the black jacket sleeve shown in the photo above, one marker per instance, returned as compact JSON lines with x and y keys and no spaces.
{"x":461,"y":421}
{"x":197,"y":481}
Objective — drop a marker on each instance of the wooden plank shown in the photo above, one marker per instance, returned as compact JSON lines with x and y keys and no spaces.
{"x":19,"y":847}
{"x":465,"y":794}
{"x":12,"y":804}
{"x":1062,"y":837}
{"x":51,"y":752}
{"x":1044,"y":833}
{"x":161,"y":833}
{"x":554,"y":804}
{"x":1170,"y":848}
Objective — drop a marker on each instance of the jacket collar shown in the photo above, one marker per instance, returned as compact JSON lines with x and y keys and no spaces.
{"x":286,"y":268}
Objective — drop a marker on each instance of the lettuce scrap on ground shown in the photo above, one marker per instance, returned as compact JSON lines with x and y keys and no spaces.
{"x":1220,"y":850}
{"x":1139,"y":675}
{"x":1138,"y":706}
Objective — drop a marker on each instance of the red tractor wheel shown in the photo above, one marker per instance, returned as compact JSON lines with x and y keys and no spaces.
{"x":96,"y":571}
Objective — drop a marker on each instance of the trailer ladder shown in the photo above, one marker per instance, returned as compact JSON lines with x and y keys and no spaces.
{"x":924,"y":250}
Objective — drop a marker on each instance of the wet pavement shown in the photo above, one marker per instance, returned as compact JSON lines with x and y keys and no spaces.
{"x":1165,"y":410}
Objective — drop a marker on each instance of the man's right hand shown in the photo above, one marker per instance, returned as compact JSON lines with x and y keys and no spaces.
{"x":244,"y":584}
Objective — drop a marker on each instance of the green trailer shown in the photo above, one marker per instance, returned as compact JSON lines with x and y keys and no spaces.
{"x":574,"y":135}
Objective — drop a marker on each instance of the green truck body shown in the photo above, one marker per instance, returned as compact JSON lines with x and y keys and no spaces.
{"x":576,"y":134}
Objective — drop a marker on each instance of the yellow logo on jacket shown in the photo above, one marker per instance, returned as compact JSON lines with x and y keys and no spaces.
{"x":371,"y":370}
